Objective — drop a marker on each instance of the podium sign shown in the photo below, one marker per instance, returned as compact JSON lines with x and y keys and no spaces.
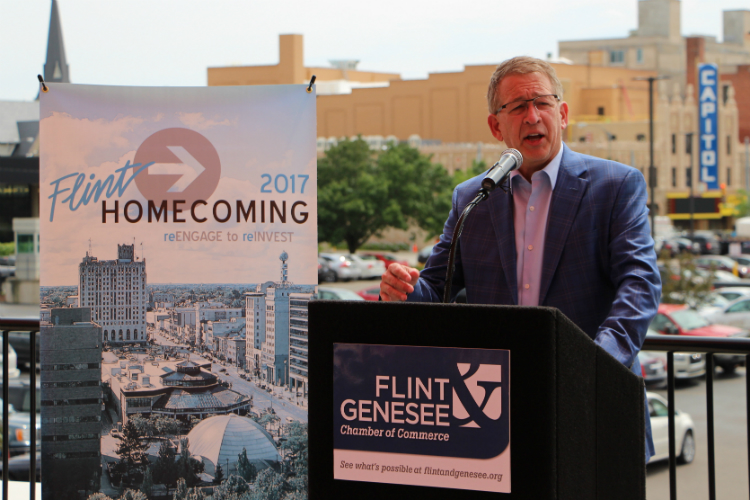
{"x":423,"y":416}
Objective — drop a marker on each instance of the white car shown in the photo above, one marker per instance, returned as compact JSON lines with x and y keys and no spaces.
{"x":733,"y":292}
{"x":734,"y":313}
{"x":343,"y":266}
{"x":687,"y":365}
{"x":683,"y":425}
{"x":372,"y":268}
{"x":334,"y":293}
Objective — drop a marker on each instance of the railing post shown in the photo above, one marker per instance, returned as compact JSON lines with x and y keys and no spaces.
{"x":670,"y":420}
{"x":747,"y":408}
{"x":710,"y":425}
{"x":6,"y":448}
{"x":32,"y":451}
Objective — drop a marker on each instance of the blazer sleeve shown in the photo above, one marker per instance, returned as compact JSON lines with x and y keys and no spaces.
{"x":633,"y":271}
{"x":431,"y":283}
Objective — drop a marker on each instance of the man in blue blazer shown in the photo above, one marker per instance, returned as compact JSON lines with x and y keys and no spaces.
{"x":572,"y":233}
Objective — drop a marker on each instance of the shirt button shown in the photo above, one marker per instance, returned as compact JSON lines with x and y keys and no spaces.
{"x":526,"y":286}
{"x":531,"y":247}
{"x":531,"y":208}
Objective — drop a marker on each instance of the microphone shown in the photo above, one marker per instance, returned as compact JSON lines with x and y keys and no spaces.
{"x":510,"y":160}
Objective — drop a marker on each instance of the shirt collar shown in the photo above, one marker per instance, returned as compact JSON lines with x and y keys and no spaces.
{"x":552,"y":168}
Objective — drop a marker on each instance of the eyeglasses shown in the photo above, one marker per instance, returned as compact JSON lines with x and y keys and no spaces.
{"x":519,"y":107}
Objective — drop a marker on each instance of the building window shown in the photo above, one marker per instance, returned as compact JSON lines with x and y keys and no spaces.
{"x":25,"y":243}
{"x":674,"y":143}
{"x":640,"y":137}
{"x":639,"y":56}
{"x":674,"y":176}
{"x":729,"y":176}
{"x":729,"y":144}
{"x":600,"y":111}
{"x":617,"y":56}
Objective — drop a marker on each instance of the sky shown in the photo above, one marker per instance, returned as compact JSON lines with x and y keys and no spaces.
{"x":172,"y":43}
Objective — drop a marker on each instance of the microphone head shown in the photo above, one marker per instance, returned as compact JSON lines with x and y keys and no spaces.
{"x":516,"y":154}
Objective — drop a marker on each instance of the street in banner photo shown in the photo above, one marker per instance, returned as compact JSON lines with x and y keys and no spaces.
{"x":178,"y":256}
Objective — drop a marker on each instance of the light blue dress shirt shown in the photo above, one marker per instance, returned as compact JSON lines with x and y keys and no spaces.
{"x":531,"y":203}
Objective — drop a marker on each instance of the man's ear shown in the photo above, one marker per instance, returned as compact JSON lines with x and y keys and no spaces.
{"x":495,"y":127}
{"x":564,"y":114}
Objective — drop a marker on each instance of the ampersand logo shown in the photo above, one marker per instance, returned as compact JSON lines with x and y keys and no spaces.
{"x":478,"y":399}
{"x":186,"y":166}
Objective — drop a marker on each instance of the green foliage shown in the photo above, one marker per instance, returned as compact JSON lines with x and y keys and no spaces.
{"x":181,"y":492}
{"x":188,"y":468}
{"x":147,"y":486}
{"x":385,"y":247}
{"x":132,"y":450}
{"x":360,"y":195}
{"x":742,"y":209}
{"x":268,"y":486}
{"x":245,"y":469}
{"x":165,"y":469}
{"x":477,"y":167}
{"x":7,"y":248}
{"x":98,"y":496}
{"x":681,"y":284}
{"x":219,"y":476}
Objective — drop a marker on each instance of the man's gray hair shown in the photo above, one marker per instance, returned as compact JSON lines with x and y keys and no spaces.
{"x":521,"y":65}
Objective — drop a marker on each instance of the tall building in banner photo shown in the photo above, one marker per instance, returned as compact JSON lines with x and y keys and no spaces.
{"x":71,"y":404}
{"x":115,"y":291}
{"x":276,"y":330}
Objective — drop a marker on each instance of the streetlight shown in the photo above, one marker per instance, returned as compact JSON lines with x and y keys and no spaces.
{"x":689,"y":150}
{"x":651,"y":167}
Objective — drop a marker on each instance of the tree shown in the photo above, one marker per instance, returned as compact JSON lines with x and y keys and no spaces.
{"x":181,"y":492}
{"x":165,"y":469}
{"x":245,"y":469}
{"x":269,"y":485}
{"x":359,"y":195}
{"x":132,"y":450}
{"x":148,"y":482}
{"x":188,"y":467}
{"x":219,"y":476}
{"x":133,"y":495}
{"x":682,"y":285}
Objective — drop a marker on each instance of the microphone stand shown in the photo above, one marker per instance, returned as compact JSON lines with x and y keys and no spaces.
{"x":482,"y":195}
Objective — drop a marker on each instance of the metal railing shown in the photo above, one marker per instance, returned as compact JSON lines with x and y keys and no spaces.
{"x":711,"y":346}
{"x":31,"y":326}
{"x":670,"y":344}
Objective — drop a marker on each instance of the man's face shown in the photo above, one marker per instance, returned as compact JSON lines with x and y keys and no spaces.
{"x":536,"y":133}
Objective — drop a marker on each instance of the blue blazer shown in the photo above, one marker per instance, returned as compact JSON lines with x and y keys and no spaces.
{"x":599,"y":264}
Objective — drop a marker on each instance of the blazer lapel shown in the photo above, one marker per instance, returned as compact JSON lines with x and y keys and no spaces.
{"x":569,"y":190}
{"x":501,"y":215}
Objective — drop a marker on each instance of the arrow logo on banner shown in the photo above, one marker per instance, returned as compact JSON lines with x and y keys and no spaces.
{"x":189,"y":169}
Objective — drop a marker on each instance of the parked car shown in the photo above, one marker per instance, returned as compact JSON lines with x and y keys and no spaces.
{"x":677,"y":319}
{"x":677,"y":245}
{"x":372,"y":268}
{"x":333,"y":293}
{"x":683,"y":425}
{"x":708,"y":241}
{"x":345,"y":269}
{"x":687,"y":365}
{"x":653,"y":367}
{"x":717,"y":262}
{"x":372,"y":293}
{"x":389,"y":259}
{"x":743,"y":260}
{"x":424,"y":254}
{"x":325,"y":272}
{"x":731,"y":292}
{"x":19,"y":467}
{"x":19,"y":436}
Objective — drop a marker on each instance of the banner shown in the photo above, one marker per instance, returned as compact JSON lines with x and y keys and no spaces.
{"x":427,"y":416}
{"x":178,"y":254}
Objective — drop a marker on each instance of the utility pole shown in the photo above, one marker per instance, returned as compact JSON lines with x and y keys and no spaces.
{"x":651,"y":167}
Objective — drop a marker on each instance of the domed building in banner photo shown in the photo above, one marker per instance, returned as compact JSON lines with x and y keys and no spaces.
{"x":220,"y":440}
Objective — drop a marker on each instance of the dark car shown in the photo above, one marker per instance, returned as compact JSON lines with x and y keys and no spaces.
{"x":19,"y":466}
{"x":325,"y":273}
{"x":709,"y":243}
{"x":677,"y":246}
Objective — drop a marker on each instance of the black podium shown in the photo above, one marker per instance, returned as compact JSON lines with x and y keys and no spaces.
{"x":576,"y":413}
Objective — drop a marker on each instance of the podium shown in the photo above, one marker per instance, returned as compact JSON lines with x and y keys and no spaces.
{"x":576,"y":415}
